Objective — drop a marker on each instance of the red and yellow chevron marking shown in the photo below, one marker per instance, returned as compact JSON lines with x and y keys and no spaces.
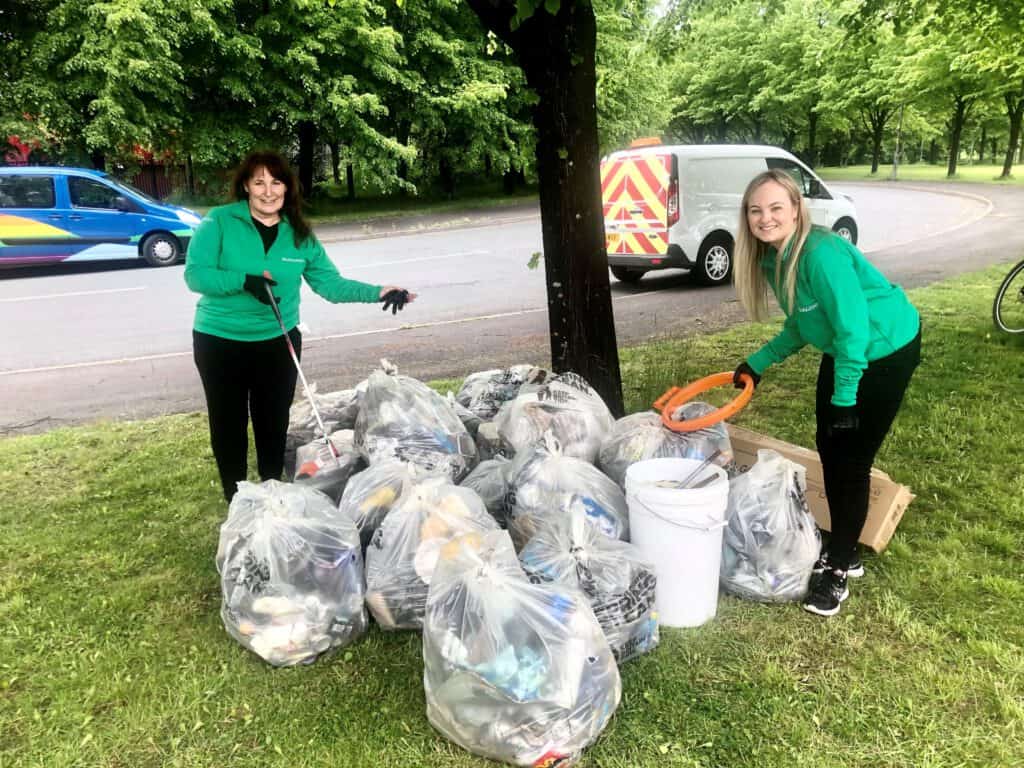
{"x":634,"y":189}
{"x":642,"y":243}
{"x":20,"y":227}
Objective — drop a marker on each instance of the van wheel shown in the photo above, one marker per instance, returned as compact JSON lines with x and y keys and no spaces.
{"x":714,"y":260}
{"x":161,"y":250}
{"x":846,"y":229}
{"x":627,"y":275}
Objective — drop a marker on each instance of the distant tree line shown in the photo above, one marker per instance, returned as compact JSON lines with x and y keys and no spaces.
{"x":386,"y":97}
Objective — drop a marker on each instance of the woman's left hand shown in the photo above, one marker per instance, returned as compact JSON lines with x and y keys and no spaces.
{"x":395,"y":297}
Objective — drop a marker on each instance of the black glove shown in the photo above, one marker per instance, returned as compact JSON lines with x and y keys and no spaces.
{"x":740,"y":370}
{"x":257,"y":286}
{"x":843,"y":420}
{"x":396,"y":299}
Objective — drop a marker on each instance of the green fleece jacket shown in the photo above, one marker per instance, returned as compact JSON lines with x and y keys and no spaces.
{"x":844,"y":307}
{"x":226,"y":247}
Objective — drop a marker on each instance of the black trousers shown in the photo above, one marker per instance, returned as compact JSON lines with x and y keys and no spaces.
{"x":847,"y":456}
{"x":243,"y":378}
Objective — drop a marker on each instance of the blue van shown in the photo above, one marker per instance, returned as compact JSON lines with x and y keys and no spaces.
{"x":77,"y":214}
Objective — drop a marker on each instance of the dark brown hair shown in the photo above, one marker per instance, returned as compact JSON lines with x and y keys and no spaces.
{"x":278,"y":168}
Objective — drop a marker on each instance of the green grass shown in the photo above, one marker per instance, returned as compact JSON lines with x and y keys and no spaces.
{"x":112,"y":652}
{"x":988,"y":174}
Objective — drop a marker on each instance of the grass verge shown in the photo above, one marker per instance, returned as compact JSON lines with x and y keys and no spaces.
{"x":112,"y":652}
{"x":984,"y":174}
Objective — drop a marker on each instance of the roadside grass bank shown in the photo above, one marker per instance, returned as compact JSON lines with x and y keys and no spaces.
{"x":112,"y":651}
{"x":983,"y":174}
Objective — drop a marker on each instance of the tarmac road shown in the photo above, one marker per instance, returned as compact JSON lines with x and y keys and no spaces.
{"x":112,"y":341}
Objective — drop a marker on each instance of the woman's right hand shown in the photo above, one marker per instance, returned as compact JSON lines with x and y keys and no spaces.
{"x":744,"y":369}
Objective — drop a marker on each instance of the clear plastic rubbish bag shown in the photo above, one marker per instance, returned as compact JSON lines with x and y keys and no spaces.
{"x":770,"y":542}
{"x":545,"y":483}
{"x":318,"y":467}
{"x":613,"y":575}
{"x":337,"y":409}
{"x":402,"y":418}
{"x":490,"y":480}
{"x":513,"y":671}
{"x":484,"y":392}
{"x":642,"y":436}
{"x":402,"y":554}
{"x":567,"y":406}
{"x":291,"y":572}
{"x":370,"y":494}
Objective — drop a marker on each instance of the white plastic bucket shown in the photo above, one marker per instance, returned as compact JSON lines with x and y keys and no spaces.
{"x":679,"y":531}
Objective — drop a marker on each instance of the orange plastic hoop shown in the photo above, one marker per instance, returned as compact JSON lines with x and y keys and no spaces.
{"x":676,"y":396}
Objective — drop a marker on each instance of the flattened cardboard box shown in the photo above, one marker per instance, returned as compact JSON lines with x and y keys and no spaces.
{"x":886,"y":505}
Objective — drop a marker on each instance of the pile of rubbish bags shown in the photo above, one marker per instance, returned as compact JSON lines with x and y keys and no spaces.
{"x":417,"y":515}
{"x":770,"y":541}
{"x":512,"y":670}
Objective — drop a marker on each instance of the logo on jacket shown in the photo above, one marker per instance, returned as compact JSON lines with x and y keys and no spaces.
{"x":809,"y":307}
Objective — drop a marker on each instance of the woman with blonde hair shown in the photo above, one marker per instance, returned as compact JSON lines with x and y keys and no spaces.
{"x":869,"y":335}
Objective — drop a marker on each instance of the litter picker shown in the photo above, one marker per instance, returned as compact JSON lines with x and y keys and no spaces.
{"x":302,"y":376}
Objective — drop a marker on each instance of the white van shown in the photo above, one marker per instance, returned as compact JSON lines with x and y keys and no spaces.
{"x":678,"y":206}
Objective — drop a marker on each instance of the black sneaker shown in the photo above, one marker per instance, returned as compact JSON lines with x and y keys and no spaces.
{"x":854,"y":570}
{"x":827,"y":592}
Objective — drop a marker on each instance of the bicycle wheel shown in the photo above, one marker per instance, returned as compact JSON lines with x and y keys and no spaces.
{"x":1008,"y":309}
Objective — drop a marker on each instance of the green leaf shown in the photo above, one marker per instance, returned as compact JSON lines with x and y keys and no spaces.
{"x":534,"y":261}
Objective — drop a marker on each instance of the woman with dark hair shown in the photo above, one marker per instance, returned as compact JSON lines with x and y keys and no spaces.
{"x":870,"y":338}
{"x":240,"y":251}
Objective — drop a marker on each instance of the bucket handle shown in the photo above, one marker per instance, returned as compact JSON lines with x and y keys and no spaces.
{"x":678,"y":524}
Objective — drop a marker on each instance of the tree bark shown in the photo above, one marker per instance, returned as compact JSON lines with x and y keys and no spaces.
{"x":402,"y":134}
{"x":961,"y":106}
{"x":812,"y":137}
{"x":556,"y":54}
{"x":876,"y":119}
{"x":981,"y":145}
{"x":307,"y":141}
{"x":335,"y":161}
{"x":350,"y":181}
{"x":1014,"y":111}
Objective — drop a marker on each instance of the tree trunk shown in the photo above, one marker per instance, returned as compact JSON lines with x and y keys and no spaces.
{"x":557,"y":57}
{"x":812,"y":137}
{"x":995,"y":148}
{"x":350,"y":181}
{"x":446,"y":175}
{"x":1014,"y":111}
{"x":98,"y":158}
{"x":933,"y":152}
{"x":402,"y":134}
{"x":961,"y":107}
{"x":307,"y":141}
{"x":981,"y":146}
{"x":875,"y":119}
{"x":335,"y":161}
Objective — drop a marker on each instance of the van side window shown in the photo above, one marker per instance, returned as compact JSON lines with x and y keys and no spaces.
{"x":86,"y":193}
{"x":807,"y":183}
{"x":27,"y":192}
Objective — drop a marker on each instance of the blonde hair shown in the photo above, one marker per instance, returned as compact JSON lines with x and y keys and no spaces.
{"x":751,"y":285}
